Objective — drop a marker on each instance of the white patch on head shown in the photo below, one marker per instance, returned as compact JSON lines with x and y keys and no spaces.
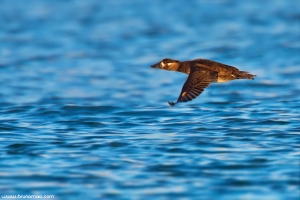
{"x":162,"y":64}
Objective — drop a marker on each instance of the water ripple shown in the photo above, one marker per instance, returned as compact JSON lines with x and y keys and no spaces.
{"x":83,"y":116}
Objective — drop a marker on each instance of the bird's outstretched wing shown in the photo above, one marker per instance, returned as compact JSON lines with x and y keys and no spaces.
{"x":195,"y":84}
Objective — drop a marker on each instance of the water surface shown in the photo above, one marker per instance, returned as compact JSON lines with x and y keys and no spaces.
{"x":83,"y":116}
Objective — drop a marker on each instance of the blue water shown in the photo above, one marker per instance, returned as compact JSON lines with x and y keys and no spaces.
{"x":83,"y":116}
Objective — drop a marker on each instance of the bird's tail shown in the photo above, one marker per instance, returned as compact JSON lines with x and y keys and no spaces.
{"x":245,"y":75}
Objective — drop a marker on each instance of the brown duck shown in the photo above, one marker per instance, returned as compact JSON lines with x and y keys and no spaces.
{"x":201,"y":73}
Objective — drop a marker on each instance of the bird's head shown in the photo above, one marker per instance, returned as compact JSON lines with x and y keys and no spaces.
{"x":167,"y":64}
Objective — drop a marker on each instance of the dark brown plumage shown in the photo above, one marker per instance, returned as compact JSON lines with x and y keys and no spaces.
{"x":201,"y":73}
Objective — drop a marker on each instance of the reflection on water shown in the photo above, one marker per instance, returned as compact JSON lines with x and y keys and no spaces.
{"x":83,"y":116}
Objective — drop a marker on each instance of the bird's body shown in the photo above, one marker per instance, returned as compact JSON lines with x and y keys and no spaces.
{"x":201,"y":73}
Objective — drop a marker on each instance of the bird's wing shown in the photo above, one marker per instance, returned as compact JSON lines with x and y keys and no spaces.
{"x":213,"y":65}
{"x":195,"y":84}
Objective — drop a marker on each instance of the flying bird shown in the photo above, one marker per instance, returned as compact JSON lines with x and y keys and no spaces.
{"x":201,"y":73}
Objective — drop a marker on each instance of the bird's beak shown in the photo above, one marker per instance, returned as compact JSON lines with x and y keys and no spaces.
{"x":155,"y":66}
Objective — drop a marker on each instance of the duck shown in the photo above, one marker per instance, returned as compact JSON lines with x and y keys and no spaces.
{"x":201,"y":72}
